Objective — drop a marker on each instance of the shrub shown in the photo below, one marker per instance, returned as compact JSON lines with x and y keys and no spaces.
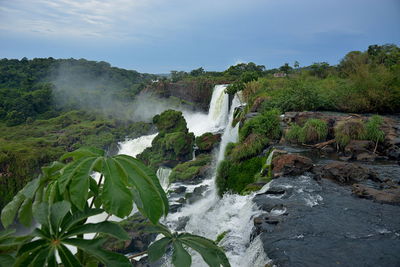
{"x":352,"y":129}
{"x":250,"y":147}
{"x":314,"y":130}
{"x":266,"y":124}
{"x":373,"y":131}
{"x":234,"y":177}
{"x":294,"y":133}
{"x":189,"y":169}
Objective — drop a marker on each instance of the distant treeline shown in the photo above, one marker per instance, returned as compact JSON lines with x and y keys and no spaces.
{"x":29,"y":88}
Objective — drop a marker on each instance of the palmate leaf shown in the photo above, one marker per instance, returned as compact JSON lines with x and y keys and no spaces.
{"x":75,"y":176}
{"x":158,"y":249}
{"x":10,"y":210}
{"x":59,"y":227}
{"x":116,"y":197}
{"x":154,"y":201}
{"x":93,"y":247}
{"x":180,"y":257}
{"x":213,"y":255}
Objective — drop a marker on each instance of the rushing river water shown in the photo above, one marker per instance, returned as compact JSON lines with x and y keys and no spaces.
{"x":211,"y":215}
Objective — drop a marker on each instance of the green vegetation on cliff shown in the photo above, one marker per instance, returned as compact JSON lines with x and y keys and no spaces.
{"x":25,"y":148}
{"x":172,"y":145}
{"x":191,"y":169}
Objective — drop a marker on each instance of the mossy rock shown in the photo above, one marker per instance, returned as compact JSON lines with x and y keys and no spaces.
{"x":253,"y":145}
{"x":173,"y":145}
{"x":170,"y":121}
{"x":191,"y":170}
{"x":235,"y":176}
{"x":207,"y":142}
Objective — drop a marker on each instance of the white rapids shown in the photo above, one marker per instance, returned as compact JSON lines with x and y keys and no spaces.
{"x":212,"y":216}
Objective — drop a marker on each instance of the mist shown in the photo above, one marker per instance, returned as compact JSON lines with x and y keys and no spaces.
{"x":76,"y":87}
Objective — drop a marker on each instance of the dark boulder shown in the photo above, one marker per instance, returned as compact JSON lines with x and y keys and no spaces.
{"x":345,"y":173}
{"x":291,"y":164}
{"x":387,"y":196}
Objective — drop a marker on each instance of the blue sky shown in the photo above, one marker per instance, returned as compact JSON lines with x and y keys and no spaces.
{"x":157,"y":36}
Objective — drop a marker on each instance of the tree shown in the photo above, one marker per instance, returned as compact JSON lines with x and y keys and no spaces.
{"x":197,"y":72}
{"x":296,"y":64}
{"x":321,"y":69}
{"x":65,"y":195}
{"x":285,"y":68}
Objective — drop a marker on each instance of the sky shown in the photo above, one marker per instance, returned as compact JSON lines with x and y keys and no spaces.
{"x":157,"y":36}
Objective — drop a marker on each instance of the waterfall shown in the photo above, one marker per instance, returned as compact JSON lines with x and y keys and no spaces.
{"x":163,"y":175}
{"x":216,"y":118}
{"x":136,"y":146}
{"x":212,"y":215}
{"x":232,"y":213}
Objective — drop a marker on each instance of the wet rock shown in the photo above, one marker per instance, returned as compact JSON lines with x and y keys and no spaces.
{"x":388,"y":196}
{"x":207,"y":142}
{"x":393,"y":152}
{"x":345,"y":173}
{"x":340,"y":230}
{"x":196,"y":195}
{"x":291,"y":164}
{"x":359,"y":146}
{"x":366,"y":156}
{"x":140,"y":239}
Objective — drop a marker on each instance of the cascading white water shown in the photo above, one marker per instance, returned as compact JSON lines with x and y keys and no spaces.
{"x":212,"y":215}
{"x":163,"y":175}
{"x":232,"y":214}
{"x":217,"y":116}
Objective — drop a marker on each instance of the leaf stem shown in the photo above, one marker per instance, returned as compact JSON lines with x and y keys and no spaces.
{"x":98,"y":185}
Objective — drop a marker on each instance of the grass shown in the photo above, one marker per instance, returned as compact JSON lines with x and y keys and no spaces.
{"x":266,"y":124}
{"x":345,"y":131}
{"x":189,"y":169}
{"x":373,"y":131}
{"x":313,"y":131}
{"x":253,"y":145}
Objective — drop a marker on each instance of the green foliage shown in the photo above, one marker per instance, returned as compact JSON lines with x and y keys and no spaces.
{"x":313,"y":131}
{"x":372,"y":129}
{"x":285,"y":68}
{"x":234,"y":176}
{"x":294,"y":133}
{"x":170,"y":121}
{"x":252,"y":146}
{"x":58,"y":200}
{"x":59,"y":228}
{"x":207,"y":141}
{"x":212,"y":254}
{"x":190,"y":169}
{"x":266,"y":124}
{"x":320,"y":70}
{"x":172,"y":145}
{"x":348,"y":130}
{"x":24,"y":148}
{"x":241,"y":68}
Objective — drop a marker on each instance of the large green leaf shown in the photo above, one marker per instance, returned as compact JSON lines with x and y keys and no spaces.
{"x":10,"y":210}
{"x":109,"y":228}
{"x":41,"y":257}
{"x":158,"y":249}
{"x":68,"y":259}
{"x":93,"y":247}
{"x":6,"y":260}
{"x":158,"y":228}
{"x":41,"y":214}
{"x":30,"y":188}
{"x":25,"y":212}
{"x":209,"y":251}
{"x":180,"y":257}
{"x":78,"y":169}
{"x":152,"y":196}
{"x":70,"y":220}
{"x":83,"y":152}
{"x":116,"y":197}
{"x":79,"y":187}
{"x":58,"y":212}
